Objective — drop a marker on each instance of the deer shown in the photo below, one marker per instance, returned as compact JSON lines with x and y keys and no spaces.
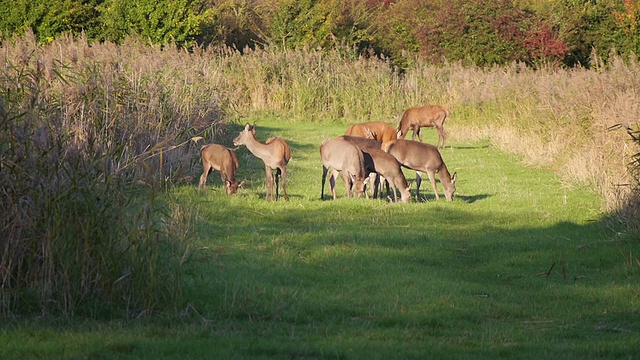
{"x":219,"y":158}
{"x":342,"y":156}
{"x":371,"y":175}
{"x":377,"y":130}
{"x":275,"y":153}
{"x":423,"y":158}
{"x":387,"y":166}
{"x":424,"y":116}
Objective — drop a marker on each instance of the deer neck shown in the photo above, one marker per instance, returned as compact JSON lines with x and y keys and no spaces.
{"x":257,"y":148}
{"x":445,"y":175}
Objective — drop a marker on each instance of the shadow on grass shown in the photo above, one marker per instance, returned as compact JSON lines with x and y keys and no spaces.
{"x":442,"y":275}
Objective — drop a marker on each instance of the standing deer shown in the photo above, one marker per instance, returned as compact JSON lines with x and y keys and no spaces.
{"x":218,"y":157}
{"x":423,"y":158}
{"x":424,"y":116}
{"x":377,"y":130}
{"x":275,"y":153}
{"x":340,"y":155}
{"x":388,"y":167}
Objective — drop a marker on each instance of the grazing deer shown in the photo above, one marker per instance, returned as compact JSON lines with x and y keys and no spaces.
{"x":340,"y":155}
{"x":275,"y":153}
{"x":423,"y":158}
{"x":219,"y":158}
{"x":371,"y":176}
{"x":377,"y":130}
{"x":388,"y":167}
{"x":424,"y":116}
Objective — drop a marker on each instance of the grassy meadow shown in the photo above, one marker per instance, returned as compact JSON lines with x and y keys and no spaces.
{"x":108,"y":249}
{"x":517,"y":266}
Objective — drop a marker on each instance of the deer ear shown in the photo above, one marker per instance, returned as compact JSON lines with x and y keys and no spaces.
{"x":227,"y":183}
{"x":247,"y":127}
{"x":455,"y":176}
{"x":241,"y":183}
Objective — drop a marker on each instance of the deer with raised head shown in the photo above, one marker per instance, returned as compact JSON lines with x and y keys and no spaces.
{"x":423,"y":158}
{"x":219,"y":158}
{"x":342,"y":156}
{"x":387,"y":166}
{"x":275,"y":153}
{"x":376,"y":130}
{"x":423,"y":116}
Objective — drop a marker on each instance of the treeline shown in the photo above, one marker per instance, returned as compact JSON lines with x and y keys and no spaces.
{"x":476,"y":32}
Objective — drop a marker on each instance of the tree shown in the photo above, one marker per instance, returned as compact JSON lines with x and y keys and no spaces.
{"x":161,"y":21}
{"x":48,"y":18}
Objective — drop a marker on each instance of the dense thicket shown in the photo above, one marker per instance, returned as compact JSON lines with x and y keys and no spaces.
{"x":476,"y":32}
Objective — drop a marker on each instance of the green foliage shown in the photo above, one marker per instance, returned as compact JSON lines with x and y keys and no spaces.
{"x":475,"y":32}
{"x":161,"y":22}
{"x":49,"y":18}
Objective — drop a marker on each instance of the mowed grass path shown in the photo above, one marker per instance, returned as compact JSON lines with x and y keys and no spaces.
{"x":517,"y":266}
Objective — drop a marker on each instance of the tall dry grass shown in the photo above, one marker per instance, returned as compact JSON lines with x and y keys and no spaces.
{"x":82,"y":127}
{"x":83,"y":123}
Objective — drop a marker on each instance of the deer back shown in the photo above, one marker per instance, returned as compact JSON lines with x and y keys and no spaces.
{"x":415,"y":155}
{"x":342,"y":155}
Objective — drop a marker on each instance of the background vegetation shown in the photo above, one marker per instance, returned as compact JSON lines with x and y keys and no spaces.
{"x":475,"y":32}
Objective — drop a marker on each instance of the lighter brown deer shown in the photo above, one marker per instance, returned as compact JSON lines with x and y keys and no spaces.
{"x":341,"y":156}
{"x":275,"y":153}
{"x":219,"y":158}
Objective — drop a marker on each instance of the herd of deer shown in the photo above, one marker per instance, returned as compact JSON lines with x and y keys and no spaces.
{"x":365,"y":154}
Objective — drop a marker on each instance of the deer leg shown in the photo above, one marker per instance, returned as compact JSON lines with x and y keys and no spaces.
{"x":347,"y":182}
{"x":269,"y":174}
{"x":418,"y":182}
{"x":386,"y":182}
{"x":442,"y":136}
{"x":203,"y":177}
{"x":332,"y":182}
{"x":284,"y":183}
{"x":367,"y":182}
{"x":432,"y":179}
{"x":376,"y":185}
{"x":277,"y":181}
{"x":324,"y":178}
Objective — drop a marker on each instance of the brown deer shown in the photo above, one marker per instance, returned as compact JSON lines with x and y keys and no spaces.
{"x":275,"y":153}
{"x":388,"y":167}
{"x":423,"y":158}
{"x":371,"y":177}
{"x":362,"y":143}
{"x":219,"y":158}
{"x":377,"y":130}
{"x":340,"y":155}
{"x":423,"y":116}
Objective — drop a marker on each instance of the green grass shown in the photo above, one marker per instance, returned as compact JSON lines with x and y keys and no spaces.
{"x":517,"y":266}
